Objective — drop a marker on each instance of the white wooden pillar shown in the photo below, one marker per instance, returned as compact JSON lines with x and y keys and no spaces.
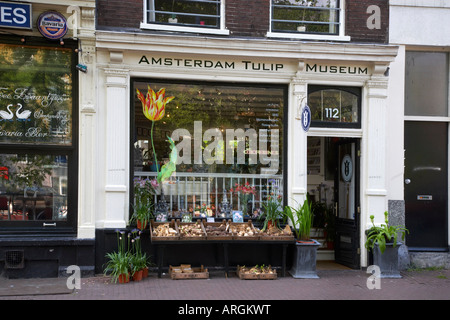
{"x":86,"y":163}
{"x":117,"y":148}
{"x":374,"y":153}
{"x":297,"y":144}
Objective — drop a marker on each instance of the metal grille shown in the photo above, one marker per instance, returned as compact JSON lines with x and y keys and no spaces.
{"x":14,"y":259}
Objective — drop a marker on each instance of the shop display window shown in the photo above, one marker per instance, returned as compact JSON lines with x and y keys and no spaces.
{"x":229,"y":138}
{"x":37,"y":142}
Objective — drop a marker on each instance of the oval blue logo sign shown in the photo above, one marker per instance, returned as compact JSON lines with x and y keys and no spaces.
{"x":52,"y":25}
{"x":306,"y":118}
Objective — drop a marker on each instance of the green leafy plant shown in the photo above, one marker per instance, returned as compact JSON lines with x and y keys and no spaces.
{"x":144,"y":190}
{"x":139,"y":259}
{"x":272,"y":210}
{"x":384,"y":234}
{"x":301,"y":218}
{"x":118,"y":262}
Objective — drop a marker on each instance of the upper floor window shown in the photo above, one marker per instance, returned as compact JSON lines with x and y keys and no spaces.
{"x":308,"y":19}
{"x":199,"y":16}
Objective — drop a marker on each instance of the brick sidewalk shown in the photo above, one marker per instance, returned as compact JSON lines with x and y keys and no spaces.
{"x":332,"y":285}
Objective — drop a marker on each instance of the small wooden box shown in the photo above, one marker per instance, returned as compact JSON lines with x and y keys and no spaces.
{"x":186,"y":272}
{"x":243,"y":275}
{"x":226,"y":234}
{"x":199,"y":236}
{"x":171,"y":224}
{"x":236,"y":226}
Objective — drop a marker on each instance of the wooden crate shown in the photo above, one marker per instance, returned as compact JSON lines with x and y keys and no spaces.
{"x":183,"y":236}
{"x":209,"y":236}
{"x":239,"y":225}
{"x":186,"y":272}
{"x":276,"y":237}
{"x":154,"y":225}
{"x":255,"y":276}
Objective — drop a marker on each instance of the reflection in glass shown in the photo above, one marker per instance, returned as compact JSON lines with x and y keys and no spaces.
{"x":35,"y":95}
{"x":189,"y":13}
{"x":33,"y":187}
{"x":225,"y":135}
{"x":305,"y":16}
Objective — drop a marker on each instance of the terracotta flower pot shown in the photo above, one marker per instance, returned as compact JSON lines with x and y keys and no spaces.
{"x":137,"y":276}
{"x":124,"y":278}
{"x":141,"y":225}
{"x":144,"y":273}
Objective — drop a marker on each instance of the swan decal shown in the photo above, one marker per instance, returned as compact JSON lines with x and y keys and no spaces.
{"x":7,"y":115}
{"x":24,"y":115}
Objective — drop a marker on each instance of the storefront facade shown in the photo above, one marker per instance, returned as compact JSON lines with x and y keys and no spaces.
{"x":43,"y":100}
{"x":221,"y":86}
{"x":236,"y":96}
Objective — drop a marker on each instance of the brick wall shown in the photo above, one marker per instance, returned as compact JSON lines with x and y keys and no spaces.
{"x":248,"y":18}
{"x":356,"y":21}
{"x":119,"y":13}
{"x":251,"y":18}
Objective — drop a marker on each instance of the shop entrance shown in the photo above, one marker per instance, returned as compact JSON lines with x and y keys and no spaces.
{"x":333,"y":186}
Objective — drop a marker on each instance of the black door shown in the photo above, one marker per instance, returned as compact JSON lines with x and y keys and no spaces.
{"x":426,"y":186}
{"x":346,"y":188}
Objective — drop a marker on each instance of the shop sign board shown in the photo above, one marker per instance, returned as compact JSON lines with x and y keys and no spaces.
{"x":52,"y":25}
{"x":15,"y":15}
{"x":249,"y":65}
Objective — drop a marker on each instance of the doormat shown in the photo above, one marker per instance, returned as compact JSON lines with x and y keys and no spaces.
{"x":31,"y":287}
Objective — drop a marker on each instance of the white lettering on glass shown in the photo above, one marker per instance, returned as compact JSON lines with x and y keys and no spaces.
{"x":246,"y":142}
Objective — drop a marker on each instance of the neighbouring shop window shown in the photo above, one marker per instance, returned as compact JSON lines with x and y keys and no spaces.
{"x":33,"y":187}
{"x":306,"y":16}
{"x":226,"y":135}
{"x":335,"y":106}
{"x":35,"y":95}
{"x":37,"y":142}
{"x":426,"y":84}
{"x":191,"y":13}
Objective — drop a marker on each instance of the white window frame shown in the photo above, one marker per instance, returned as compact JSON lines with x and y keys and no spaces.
{"x":305,"y":36}
{"x":179,"y":28}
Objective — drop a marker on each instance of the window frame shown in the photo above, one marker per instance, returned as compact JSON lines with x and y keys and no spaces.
{"x":357,"y":91}
{"x":221,"y":30}
{"x":68,"y":226}
{"x":340,"y":36}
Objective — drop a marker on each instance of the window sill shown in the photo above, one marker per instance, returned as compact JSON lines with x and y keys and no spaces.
{"x":307,"y":36}
{"x":176,"y":28}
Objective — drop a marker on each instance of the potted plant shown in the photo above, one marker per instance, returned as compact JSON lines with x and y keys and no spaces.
{"x":118,"y":264}
{"x":304,"y":264}
{"x":272,"y":211}
{"x":138,"y":261}
{"x":144,"y":190}
{"x":382,"y":241}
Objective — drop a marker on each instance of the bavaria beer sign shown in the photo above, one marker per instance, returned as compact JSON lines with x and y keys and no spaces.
{"x":52,"y":25}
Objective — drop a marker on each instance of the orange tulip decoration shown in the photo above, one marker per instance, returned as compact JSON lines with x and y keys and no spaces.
{"x":154,"y":109}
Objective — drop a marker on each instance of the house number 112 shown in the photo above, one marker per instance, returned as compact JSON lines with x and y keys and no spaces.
{"x":331,"y":113}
